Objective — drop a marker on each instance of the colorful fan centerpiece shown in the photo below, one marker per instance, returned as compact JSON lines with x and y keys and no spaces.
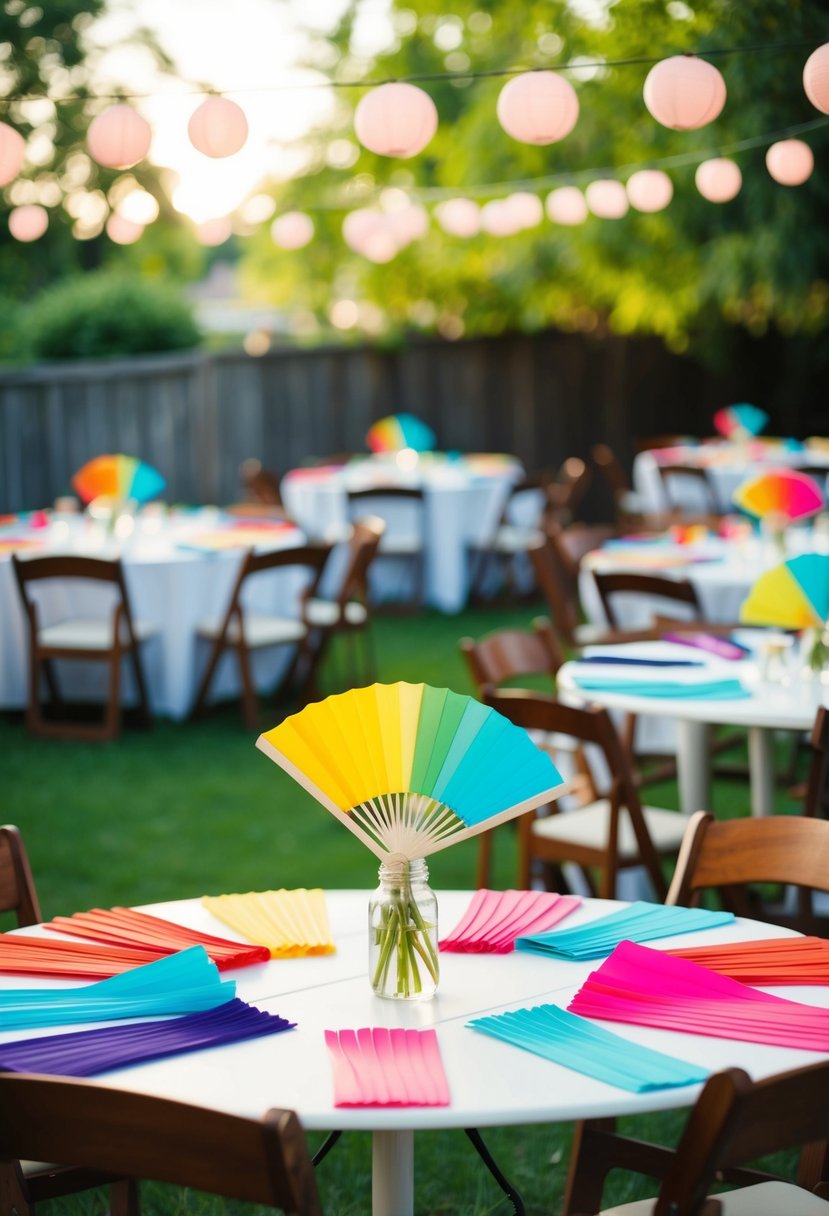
{"x":399,"y":431}
{"x":784,"y":494}
{"x":792,"y":595}
{"x":410,"y":769}
{"x":118,"y":478}
{"x":740,"y":421}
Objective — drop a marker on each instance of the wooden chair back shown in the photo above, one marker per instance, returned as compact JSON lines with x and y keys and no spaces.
{"x":80,"y":1123}
{"x":366,"y":536}
{"x":510,"y":654}
{"x":569,"y":488}
{"x":411,"y":543}
{"x":736,"y":1120}
{"x":611,"y":583}
{"x":736,"y":856}
{"x":590,"y":726}
{"x":66,"y":568}
{"x":672,"y":476}
{"x":557,"y":588}
{"x":17,"y":885}
{"x":816,"y":802}
{"x":260,"y":484}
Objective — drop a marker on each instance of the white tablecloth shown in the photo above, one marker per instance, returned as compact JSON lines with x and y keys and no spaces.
{"x":727,"y":465}
{"x":173,"y":584}
{"x":464,"y":499}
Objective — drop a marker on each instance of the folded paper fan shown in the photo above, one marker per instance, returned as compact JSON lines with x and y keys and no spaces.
{"x":291,"y":924}
{"x":411,"y":769}
{"x":740,"y":421}
{"x":119,"y":477}
{"x":793,"y":595}
{"x":400,"y":431}
{"x":783,"y":492}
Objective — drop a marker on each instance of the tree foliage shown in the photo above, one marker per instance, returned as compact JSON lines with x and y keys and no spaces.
{"x":758,"y":262}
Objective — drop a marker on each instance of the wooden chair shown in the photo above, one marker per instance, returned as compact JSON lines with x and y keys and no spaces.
{"x":102,"y":1132}
{"x":728,"y":856}
{"x":30,"y":1181}
{"x":676,"y":591}
{"x":696,"y":480}
{"x":260,"y":485}
{"x":560,"y":591}
{"x":402,"y":541}
{"x":347,"y":611}
{"x":242,"y":631}
{"x":518,"y":528}
{"x":17,"y":885}
{"x":816,"y":796}
{"x":80,"y":639}
{"x":736,"y":1120}
{"x":510,"y":654}
{"x":629,"y":508}
{"x":612,"y":833}
{"x":569,"y":488}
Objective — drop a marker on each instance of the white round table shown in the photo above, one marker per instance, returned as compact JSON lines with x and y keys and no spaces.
{"x":178,"y":573}
{"x":463,"y":501}
{"x":490,"y":1083}
{"x":787,"y":706}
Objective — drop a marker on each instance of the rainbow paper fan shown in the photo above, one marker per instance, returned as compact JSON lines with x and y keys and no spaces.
{"x":400,"y":431}
{"x":793,"y":595}
{"x":740,"y":421}
{"x":783,"y":492}
{"x":119,"y":477}
{"x":411,"y":769}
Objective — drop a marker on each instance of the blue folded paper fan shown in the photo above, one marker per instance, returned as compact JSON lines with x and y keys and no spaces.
{"x":410,"y":769}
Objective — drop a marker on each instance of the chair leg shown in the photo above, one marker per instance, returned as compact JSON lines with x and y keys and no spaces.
{"x":590,"y":1163}
{"x":144,"y":712}
{"x":250,"y":702}
{"x":124,"y":1199}
{"x":12,"y":1196}
{"x":483,"y":875}
{"x":112,"y":715}
{"x":218,"y":648}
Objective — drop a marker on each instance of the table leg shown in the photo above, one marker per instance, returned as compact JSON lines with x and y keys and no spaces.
{"x":693,"y":763}
{"x":761,"y":768}
{"x":392,"y":1173}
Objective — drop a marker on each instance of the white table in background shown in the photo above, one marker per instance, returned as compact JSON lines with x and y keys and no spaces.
{"x":771,"y":707}
{"x":463,"y":499}
{"x":490,"y":1083}
{"x":172,"y":586}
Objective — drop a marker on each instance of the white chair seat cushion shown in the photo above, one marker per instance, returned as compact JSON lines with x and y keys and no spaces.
{"x":511,"y":538}
{"x":403,"y":545}
{"x":259,"y":630}
{"x":765,"y":1199}
{"x":588,"y":826}
{"x":327,"y":612}
{"x":83,"y":634}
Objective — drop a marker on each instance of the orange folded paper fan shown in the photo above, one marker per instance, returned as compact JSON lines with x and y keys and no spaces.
{"x":793,"y":595}
{"x":411,"y":769}
{"x":119,"y":477}
{"x":784,"y":492}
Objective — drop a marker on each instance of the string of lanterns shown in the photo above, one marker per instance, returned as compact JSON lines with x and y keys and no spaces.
{"x":399,"y":119}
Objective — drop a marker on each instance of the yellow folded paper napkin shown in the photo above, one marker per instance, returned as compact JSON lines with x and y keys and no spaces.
{"x":291,"y":924}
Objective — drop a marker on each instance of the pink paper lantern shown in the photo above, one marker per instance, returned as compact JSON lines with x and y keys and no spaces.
{"x":649,"y":190}
{"x":459,"y":217}
{"x":28,"y":223}
{"x":719,"y":180}
{"x":396,"y":119}
{"x":525,"y":208}
{"x":122,"y":231}
{"x":218,"y":127}
{"x":293,"y":230}
{"x":119,"y":137}
{"x":215,"y":231}
{"x":567,"y":205}
{"x":790,"y":162}
{"x":408,"y":223}
{"x":816,"y":78}
{"x":497,"y":218}
{"x":360,"y":226}
{"x":12,"y":151}
{"x":538,"y":107}
{"x":684,"y":92}
{"x":607,"y":199}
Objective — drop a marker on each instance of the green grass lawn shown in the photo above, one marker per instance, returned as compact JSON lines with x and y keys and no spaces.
{"x":188,"y":809}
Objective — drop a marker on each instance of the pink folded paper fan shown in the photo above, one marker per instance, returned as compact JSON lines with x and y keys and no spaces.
{"x":410,"y":769}
{"x":786,"y":493}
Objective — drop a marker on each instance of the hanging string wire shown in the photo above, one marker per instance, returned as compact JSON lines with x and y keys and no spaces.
{"x":467,"y":74}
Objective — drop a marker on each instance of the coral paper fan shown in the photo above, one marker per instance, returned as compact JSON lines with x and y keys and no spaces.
{"x":782,"y":492}
{"x":400,"y":431}
{"x":411,"y":769}
{"x":118,"y":476}
{"x":793,"y":595}
{"x":741,"y":420}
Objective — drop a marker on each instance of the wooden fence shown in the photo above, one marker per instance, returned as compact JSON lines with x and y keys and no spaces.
{"x":195,"y":416}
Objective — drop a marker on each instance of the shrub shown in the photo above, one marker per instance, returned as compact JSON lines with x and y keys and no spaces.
{"x":109,"y":314}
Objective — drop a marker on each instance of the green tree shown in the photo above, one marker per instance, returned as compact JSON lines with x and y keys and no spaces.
{"x":689,"y":274}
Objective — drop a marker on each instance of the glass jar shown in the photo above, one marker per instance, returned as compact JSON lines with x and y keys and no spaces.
{"x":403,"y":932}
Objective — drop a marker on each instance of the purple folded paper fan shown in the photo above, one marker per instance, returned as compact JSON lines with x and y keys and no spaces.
{"x":85,"y":1053}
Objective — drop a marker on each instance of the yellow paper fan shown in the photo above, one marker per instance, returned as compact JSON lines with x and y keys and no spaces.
{"x":291,"y":924}
{"x":410,"y":769}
